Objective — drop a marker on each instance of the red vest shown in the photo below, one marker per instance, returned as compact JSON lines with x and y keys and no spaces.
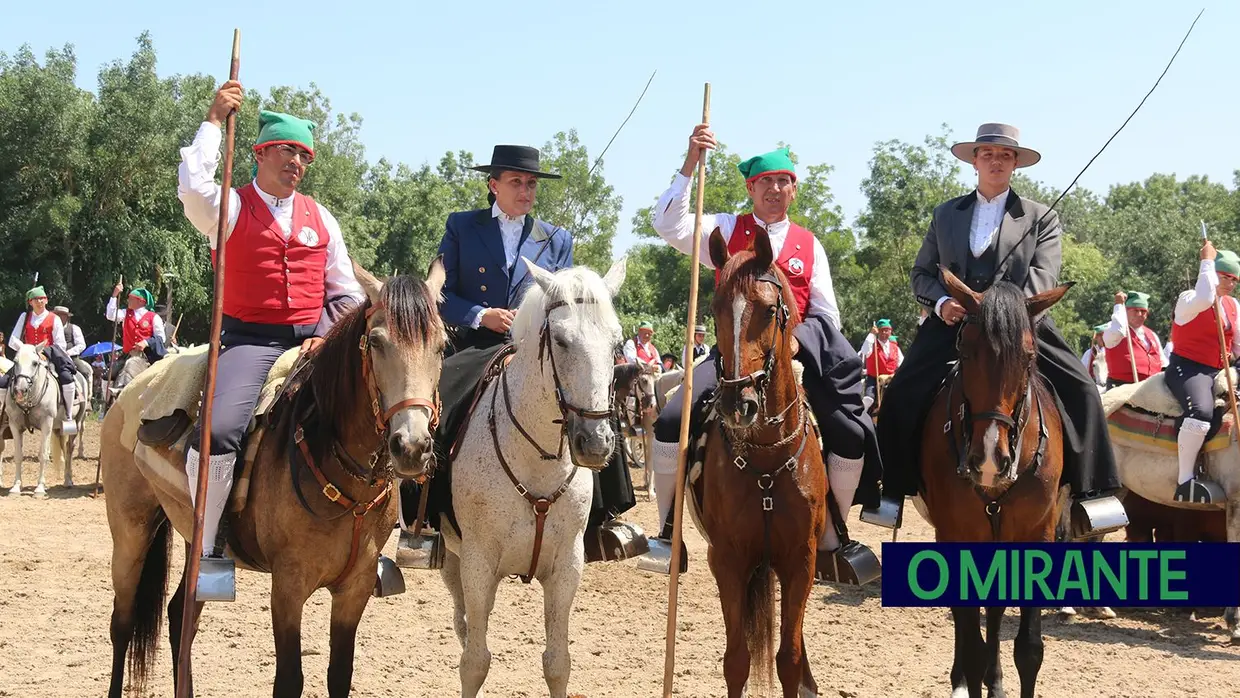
{"x":34,"y":334}
{"x":644,"y":355}
{"x":1149,"y":360}
{"x":269,"y":280}
{"x":1198,"y":340}
{"x":138,"y":330}
{"x":886,"y":364}
{"x":796,"y":259}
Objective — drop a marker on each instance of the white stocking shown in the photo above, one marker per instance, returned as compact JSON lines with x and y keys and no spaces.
{"x":843,"y":475}
{"x":1192,"y":436}
{"x":219,"y":486}
{"x":663,"y":463}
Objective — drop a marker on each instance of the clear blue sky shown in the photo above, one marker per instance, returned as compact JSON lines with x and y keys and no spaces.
{"x":829,"y":78}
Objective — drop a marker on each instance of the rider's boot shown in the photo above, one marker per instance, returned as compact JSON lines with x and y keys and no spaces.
{"x":68,"y":427}
{"x":840,"y":559}
{"x":164,"y":431}
{"x":216,"y":573}
{"x":663,"y":464}
{"x":1192,"y":488}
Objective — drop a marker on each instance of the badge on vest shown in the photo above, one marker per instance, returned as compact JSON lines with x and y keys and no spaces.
{"x":796,"y":266}
{"x":308,"y":237}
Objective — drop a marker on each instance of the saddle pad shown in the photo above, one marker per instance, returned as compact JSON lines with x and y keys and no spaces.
{"x":1158,"y":432}
{"x":175,"y":383}
{"x":1152,"y":395}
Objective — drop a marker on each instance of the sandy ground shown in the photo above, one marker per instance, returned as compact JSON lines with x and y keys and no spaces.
{"x":55,"y":603}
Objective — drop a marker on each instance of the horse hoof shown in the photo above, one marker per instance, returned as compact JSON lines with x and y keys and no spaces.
{"x":17,"y":489}
{"x":1106,"y":612}
{"x":1067,"y":614}
{"x":40,"y":492}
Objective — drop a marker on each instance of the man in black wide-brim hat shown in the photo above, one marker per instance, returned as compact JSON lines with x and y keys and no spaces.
{"x":486,"y":279}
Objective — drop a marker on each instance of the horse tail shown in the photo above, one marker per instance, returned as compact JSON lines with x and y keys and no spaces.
{"x":149,"y":601}
{"x":760,"y":623}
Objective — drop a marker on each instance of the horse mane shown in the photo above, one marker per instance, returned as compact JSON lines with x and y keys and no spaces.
{"x":570,"y":285}
{"x":1004,"y":319}
{"x":740,"y":276}
{"x":336,"y":368}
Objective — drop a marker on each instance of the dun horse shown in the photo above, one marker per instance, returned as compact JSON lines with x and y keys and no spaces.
{"x":992,"y":475}
{"x":362,"y":417}
{"x":763,"y":487}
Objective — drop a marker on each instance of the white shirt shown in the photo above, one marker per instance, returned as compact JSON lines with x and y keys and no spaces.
{"x":674,"y":223}
{"x":79,"y":342}
{"x":157,"y":324}
{"x":867,"y":348}
{"x":630,"y":352}
{"x":510,"y":230}
{"x":1118,"y":330}
{"x":987,"y":218}
{"x":200,"y":196}
{"x":58,"y":330}
{"x":1193,"y":302}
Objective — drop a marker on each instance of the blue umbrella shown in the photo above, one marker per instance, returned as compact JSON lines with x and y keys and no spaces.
{"x":99,"y":348}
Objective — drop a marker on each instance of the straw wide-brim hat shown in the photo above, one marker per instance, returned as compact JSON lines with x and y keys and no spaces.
{"x":1000,"y":135}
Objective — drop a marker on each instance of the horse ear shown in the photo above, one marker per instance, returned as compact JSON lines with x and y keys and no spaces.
{"x":541,"y":276}
{"x":436,"y":275}
{"x":762,"y":248}
{"x":962,"y":294}
{"x":615,"y":276}
{"x":372,"y":286}
{"x":1042,"y":302}
{"x":718,"y":249}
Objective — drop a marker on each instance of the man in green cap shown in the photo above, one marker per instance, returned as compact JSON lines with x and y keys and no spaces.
{"x":142,"y":329}
{"x":883,"y":362}
{"x":40,"y":326}
{"x":288,"y":278}
{"x":1094,"y":359}
{"x":1196,"y":360}
{"x":832,"y":369}
{"x":639,"y":349}
{"x":1129,"y":343}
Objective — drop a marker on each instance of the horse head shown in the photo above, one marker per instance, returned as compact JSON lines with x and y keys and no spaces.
{"x":755,"y":314}
{"x":569,"y":316}
{"x":388,"y":353}
{"x":26,"y":366}
{"x":997,"y":358}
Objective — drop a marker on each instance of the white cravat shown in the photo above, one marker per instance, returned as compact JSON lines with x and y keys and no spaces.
{"x":987,"y":217}
{"x":510,"y":231}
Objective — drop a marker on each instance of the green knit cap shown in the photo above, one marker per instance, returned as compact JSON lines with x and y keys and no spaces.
{"x":883,"y":323}
{"x":275,"y":128}
{"x":774,"y":162}
{"x":1227,"y":262}
{"x":1136,"y":299}
{"x":36,"y":292}
{"x":145,"y":296}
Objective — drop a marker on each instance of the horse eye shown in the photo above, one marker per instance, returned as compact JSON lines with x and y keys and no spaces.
{"x":560,"y":342}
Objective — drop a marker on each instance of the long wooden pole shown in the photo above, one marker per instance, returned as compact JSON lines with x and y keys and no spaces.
{"x":189,"y":614}
{"x":116,"y":323}
{"x":686,"y":390}
{"x":1222,"y":348}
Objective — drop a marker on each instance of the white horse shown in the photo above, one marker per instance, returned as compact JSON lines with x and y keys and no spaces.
{"x":566,"y":335}
{"x":33,"y":402}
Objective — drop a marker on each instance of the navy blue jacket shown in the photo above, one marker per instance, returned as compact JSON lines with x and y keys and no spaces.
{"x":477,"y":275}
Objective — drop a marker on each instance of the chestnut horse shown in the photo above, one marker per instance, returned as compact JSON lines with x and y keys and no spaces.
{"x":764,"y":486}
{"x":993,"y":454}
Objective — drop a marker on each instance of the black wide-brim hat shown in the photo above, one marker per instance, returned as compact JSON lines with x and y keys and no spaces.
{"x":515,"y":158}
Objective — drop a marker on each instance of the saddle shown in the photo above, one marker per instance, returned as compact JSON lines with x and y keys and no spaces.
{"x":1146,"y":416}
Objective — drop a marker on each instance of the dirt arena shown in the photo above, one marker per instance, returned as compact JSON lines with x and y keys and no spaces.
{"x":56,"y":600}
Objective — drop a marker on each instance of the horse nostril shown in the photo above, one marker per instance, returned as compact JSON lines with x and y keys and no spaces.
{"x":748,"y":408}
{"x":396,"y":444}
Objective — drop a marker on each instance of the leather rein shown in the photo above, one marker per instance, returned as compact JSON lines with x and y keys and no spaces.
{"x":542,"y":505}
{"x":1015,"y":422}
{"x":42,"y":366}
{"x":376,"y":475}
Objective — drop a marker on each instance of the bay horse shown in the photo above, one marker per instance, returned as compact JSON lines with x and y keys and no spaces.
{"x":362,"y":414}
{"x":520,"y":500}
{"x":764,"y":486}
{"x":992,"y":450}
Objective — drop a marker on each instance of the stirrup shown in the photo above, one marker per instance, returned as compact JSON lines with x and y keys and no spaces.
{"x":889,"y":513}
{"x":852,"y":564}
{"x":1097,"y":516}
{"x":615,"y":540}
{"x":659,"y":557}
{"x":217,"y":579}
{"x":388,"y":580}
{"x":423,"y":552}
{"x":68,"y":427}
{"x":1200,"y":492}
